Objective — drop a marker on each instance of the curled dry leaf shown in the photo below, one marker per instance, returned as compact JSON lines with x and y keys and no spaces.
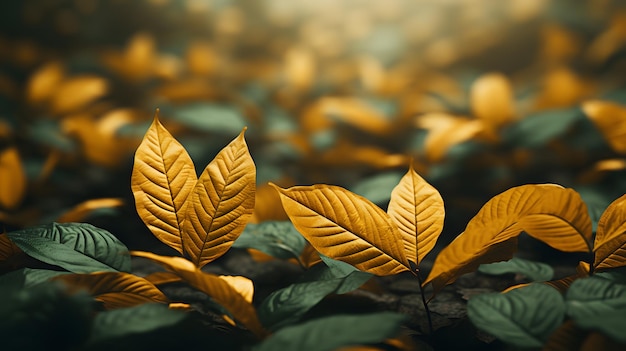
{"x":162,"y":179}
{"x":217,"y":288}
{"x":548,"y":212}
{"x":114,"y":289}
{"x":610,"y":242}
{"x":346,"y":227}
{"x":221,"y":203}
{"x":416,"y":207}
{"x":610,"y":119}
{"x":13,"y":184}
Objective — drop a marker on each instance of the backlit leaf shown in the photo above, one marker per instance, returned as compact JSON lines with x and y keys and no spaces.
{"x":548,"y":212}
{"x":114,"y":289}
{"x":214,"y":286}
{"x":82,"y":210}
{"x":162,"y":179}
{"x":492,"y":100}
{"x":346,"y":227}
{"x":535,"y":271}
{"x":610,"y":242}
{"x":330,"y":333}
{"x":610,"y":119}
{"x":77,"y":247}
{"x":133,"y":320}
{"x":598,"y":304}
{"x":416,"y":207}
{"x":523,"y":317}
{"x":242,"y":285}
{"x":220,"y":204}
{"x":13,"y":184}
{"x":279,"y":239}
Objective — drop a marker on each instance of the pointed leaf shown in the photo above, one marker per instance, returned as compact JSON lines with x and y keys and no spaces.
{"x":162,"y":179}
{"x":331,"y":333}
{"x":77,"y":247}
{"x":288,"y":305}
{"x":610,"y":242}
{"x":535,"y":271}
{"x":220,"y":204}
{"x":523,"y":317}
{"x":346,"y":227}
{"x":548,"y":212}
{"x":13,"y":184}
{"x":218,"y":289}
{"x":279,"y":239}
{"x":416,"y":207}
{"x":133,"y":320}
{"x":114,"y":289}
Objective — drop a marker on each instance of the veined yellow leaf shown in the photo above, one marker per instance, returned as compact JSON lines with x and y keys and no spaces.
{"x":548,"y":212}
{"x":610,"y":118}
{"x":13,"y":184}
{"x":114,"y":289}
{"x":346,"y":227}
{"x":416,"y":207}
{"x":491,"y":97}
{"x":160,"y":278}
{"x":219,"y":289}
{"x":220,"y":204}
{"x":162,"y":179}
{"x":610,"y":242}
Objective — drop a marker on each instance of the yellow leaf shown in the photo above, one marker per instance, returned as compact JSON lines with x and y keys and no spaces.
{"x":446,"y":131}
{"x":162,"y":179}
{"x":44,"y":82}
{"x":160,"y":278}
{"x":82,"y":210}
{"x":548,"y":212}
{"x":214,"y":286}
{"x":310,"y":256}
{"x":77,"y":92}
{"x":346,"y":227}
{"x":242,"y":285}
{"x":114,"y":289}
{"x":13,"y":183}
{"x":220,"y":204}
{"x":610,"y":118}
{"x":492,"y":101}
{"x":610,"y":242}
{"x":416,"y":207}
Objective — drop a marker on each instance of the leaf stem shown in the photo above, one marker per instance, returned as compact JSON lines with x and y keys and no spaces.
{"x":416,"y":272}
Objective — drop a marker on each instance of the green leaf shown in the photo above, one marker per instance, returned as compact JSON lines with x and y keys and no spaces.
{"x":77,"y":247}
{"x":127,"y":321}
{"x":279,"y":239}
{"x":338,"y":269}
{"x":287,"y":305}
{"x":43,"y":317}
{"x":215,"y":118}
{"x":538,"y":129}
{"x":28,"y":277}
{"x":330,"y":333}
{"x":598,"y":304}
{"x":523,"y":317}
{"x":535,"y":271}
{"x":378,"y":188}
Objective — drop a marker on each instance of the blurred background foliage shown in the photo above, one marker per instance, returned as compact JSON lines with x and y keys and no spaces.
{"x":480,"y":95}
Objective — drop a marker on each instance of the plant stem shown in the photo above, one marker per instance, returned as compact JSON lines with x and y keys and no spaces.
{"x":416,"y":272}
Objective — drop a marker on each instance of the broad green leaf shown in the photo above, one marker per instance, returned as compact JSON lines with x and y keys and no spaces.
{"x":162,"y":179}
{"x":609,"y":118}
{"x":288,"y":305}
{"x":77,"y":247}
{"x":44,"y":317}
{"x":523,"y":317}
{"x":338,"y":268}
{"x":548,"y":212}
{"x":535,"y":271}
{"x":49,"y":134}
{"x":331,"y":333}
{"x":610,"y":242}
{"x":346,"y":227}
{"x":492,"y":100}
{"x":377,"y":188}
{"x":217,"y":288}
{"x":210,"y":118}
{"x":134,"y":320}
{"x":221,"y":203}
{"x":279,"y":239}
{"x":598,"y":304}
{"x":13,"y":184}
{"x":416,"y":207}
{"x":538,"y":129}
{"x":114,"y":289}
{"x":28,"y":277}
